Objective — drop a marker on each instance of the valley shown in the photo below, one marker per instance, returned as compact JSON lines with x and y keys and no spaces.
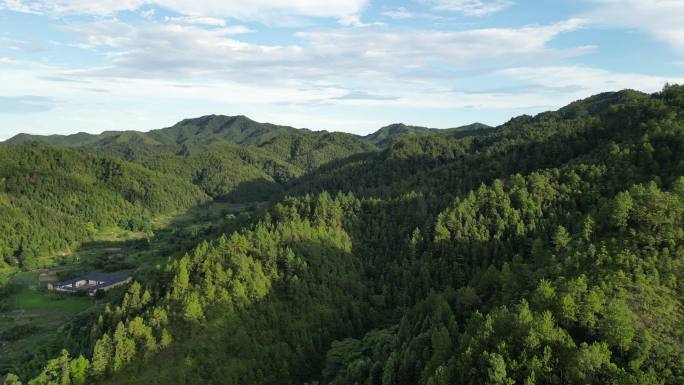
{"x":33,"y":320}
{"x":547,"y":250}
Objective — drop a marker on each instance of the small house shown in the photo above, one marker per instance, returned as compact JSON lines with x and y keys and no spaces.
{"x":90,"y":283}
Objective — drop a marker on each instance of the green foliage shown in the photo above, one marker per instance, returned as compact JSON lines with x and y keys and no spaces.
{"x":231,"y":158}
{"x":102,"y":356}
{"x":386,"y":135}
{"x":11,"y":379}
{"x":53,"y":199}
{"x":549,"y":251}
{"x":63,"y":371}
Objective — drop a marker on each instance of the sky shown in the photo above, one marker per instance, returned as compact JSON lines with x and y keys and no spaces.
{"x":70,"y":66}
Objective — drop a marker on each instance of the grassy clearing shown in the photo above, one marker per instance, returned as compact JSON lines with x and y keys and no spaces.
{"x":31,"y":317}
{"x":30,"y":299}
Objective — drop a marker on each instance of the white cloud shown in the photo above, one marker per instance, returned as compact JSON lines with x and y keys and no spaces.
{"x":171,"y":50}
{"x":18,"y":6}
{"x":172,"y":64}
{"x":585,"y":81}
{"x":399,"y":13}
{"x":662,"y":19}
{"x":355,"y":21}
{"x":352,"y":21}
{"x":198,"y":20}
{"x":260,"y":10}
{"x":8,"y":61}
{"x":411,"y":51}
{"x":362,"y":95}
{"x":471,"y":7}
{"x":374,"y":53}
{"x":148,"y":13}
{"x":402,"y":13}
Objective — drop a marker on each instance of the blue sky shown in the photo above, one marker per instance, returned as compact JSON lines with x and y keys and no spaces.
{"x":345,"y":65}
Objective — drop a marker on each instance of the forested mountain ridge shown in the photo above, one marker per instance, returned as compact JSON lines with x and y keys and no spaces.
{"x":388,"y":134}
{"x":198,"y":131}
{"x":242,"y":149}
{"x":195,"y":132}
{"x":210,"y":129}
{"x":523,"y":144}
{"x":227,"y":157}
{"x":230,"y":158}
{"x":74,"y":140}
{"x":549,"y":251}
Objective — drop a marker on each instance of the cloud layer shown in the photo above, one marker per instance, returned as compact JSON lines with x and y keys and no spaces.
{"x":339,"y":64}
{"x":261,"y":10}
{"x":374,"y":53}
{"x":471,"y":7}
{"x":662,"y":19}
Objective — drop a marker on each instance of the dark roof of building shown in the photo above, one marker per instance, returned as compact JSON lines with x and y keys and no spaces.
{"x":107,"y":279}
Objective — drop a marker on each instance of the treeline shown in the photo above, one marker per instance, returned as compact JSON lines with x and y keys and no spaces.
{"x":566,"y":266}
{"x":444,"y":166}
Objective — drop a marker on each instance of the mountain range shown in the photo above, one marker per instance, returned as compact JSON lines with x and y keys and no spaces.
{"x":216,"y":129}
{"x":547,"y":250}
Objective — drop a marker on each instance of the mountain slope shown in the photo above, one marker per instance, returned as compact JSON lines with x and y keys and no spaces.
{"x":548,"y":273}
{"x":388,"y":134}
{"x":52,"y":199}
{"x":226,"y":156}
{"x":75,"y":140}
{"x":214,"y":128}
{"x":523,"y":144}
{"x":549,"y":251}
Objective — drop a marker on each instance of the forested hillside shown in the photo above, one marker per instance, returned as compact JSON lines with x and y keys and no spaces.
{"x":232,"y":158}
{"x":549,"y":250}
{"x":52,"y":199}
{"x":388,"y":134}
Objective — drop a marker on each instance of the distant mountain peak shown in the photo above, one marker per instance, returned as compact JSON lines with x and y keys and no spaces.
{"x":208,"y":129}
{"x":394,"y":131}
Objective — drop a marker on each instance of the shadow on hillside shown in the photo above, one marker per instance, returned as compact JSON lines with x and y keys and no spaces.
{"x":140,"y":255}
{"x":256,"y":190}
{"x":284,"y":335}
{"x":364,"y":174}
{"x":440,"y":172}
{"x":447,"y":171}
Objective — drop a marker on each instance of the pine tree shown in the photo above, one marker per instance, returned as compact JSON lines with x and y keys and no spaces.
{"x":102,"y":356}
{"x":124,"y":348}
{"x":192,"y":307}
{"x":11,"y":379}
{"x":78,"y":369}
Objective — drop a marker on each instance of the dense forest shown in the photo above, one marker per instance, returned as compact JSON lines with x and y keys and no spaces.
{"x":52,"y":199}
{"x":549,"y":250}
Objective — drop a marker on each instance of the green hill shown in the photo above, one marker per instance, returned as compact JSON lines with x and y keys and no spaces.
{"x":54,"y":198}
{"x":386,"y":135}
{"x":213,"y":128}
{"x":75,"y":140}
{"x":228,"y":157}
{"x":549,"y":250}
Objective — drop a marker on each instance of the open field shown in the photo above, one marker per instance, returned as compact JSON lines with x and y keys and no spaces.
{"x":31,"y":317}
